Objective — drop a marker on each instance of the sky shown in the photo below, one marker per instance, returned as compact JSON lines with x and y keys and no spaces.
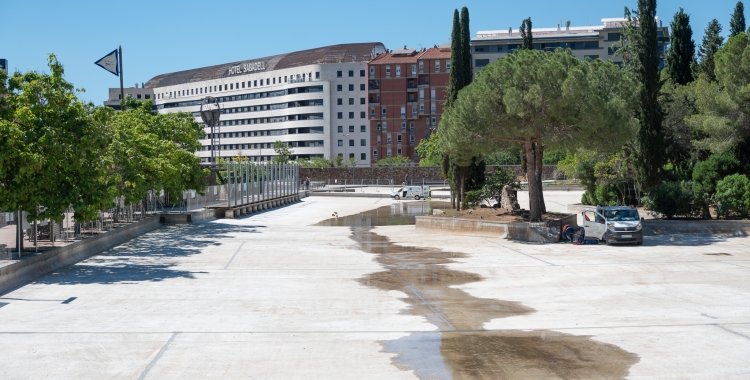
{"x":164,"y":36}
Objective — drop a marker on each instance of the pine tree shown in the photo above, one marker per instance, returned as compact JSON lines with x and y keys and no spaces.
{"x":737,"y":23}
{"x":681,"y":53}
{"x":465,"y":48}
{"x":526,"y":36}
{"x":712,"y":41}
{"x":454,"y":81}
{"x":650,"y":142}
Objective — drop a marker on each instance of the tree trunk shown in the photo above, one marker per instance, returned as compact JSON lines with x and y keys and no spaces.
{"x":535,"y":211}
{"x":462,"y":186}
{"x":539,"y":156}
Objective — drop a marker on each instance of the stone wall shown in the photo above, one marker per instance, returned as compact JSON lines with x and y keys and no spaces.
{"x":397,"y":174}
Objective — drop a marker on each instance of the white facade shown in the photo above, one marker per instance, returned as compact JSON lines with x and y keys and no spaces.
{"x":320,"y":109}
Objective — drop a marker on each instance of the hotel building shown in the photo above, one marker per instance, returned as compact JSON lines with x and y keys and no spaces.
{"x":314,"y":100}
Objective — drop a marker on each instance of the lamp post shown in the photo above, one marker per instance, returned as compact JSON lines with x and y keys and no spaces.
{"x":345,"y":143}
{"x":211,"y":113}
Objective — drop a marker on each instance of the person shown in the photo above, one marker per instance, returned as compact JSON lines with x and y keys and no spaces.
{"x":568,"y":233}
{"x":307,"y":183}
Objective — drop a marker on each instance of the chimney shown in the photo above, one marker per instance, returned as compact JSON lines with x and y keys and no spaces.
{"x":136,"y":85}
{"x":404,"y":47}
{"x":510,"y":32}
{"x":558,"y":28}
{"x":567,"y":27}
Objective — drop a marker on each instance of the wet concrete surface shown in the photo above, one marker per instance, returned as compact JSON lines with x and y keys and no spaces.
{"x":461,"y":348}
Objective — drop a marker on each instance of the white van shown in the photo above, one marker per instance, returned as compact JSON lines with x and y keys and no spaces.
{"x":614,"y":224}
{"x":416,"y":192}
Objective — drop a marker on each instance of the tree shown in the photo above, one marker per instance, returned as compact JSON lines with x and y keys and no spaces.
{"x":526,"y":36}
{"x":467,"y":74}
{"x":643,"y":60}
{"x":737,"y":22}
{"x":52,"y":148}
{"x":540,"y":99}
{"x":455,"y":80}
{"x":393,"y":161}
{"x":712,"y":41}
{"x":429,"y":151}
{"x":283,"y":152}
{"x":681,"y":54}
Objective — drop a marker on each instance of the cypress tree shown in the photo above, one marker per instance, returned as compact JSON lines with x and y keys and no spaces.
{"x":650,"y":142}
{"x":454,"y":81}
{"x":737,"y":23}
{"x":681,"y":50}
{"x":465,"y":48}
{"x":526,"y":36}
{"x":712,"y":41}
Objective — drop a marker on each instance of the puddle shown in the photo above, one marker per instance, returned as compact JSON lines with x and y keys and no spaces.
{"x":718,"y":254}
{"x":461,"y":348}
{"x":397,"y":214}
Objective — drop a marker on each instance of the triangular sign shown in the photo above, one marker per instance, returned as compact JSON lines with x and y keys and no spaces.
{"x":110,"y":62}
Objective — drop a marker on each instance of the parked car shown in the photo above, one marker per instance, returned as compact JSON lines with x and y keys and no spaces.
{"x":614,"y":224}
{"x":416,"y":192}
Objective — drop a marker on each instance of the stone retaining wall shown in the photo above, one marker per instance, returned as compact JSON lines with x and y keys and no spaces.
{"x":540,"y":233}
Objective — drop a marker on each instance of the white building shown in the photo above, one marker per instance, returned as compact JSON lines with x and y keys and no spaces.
{"x":314,"y":100}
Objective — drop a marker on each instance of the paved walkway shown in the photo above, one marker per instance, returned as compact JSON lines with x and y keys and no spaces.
{"x":271,"y":296}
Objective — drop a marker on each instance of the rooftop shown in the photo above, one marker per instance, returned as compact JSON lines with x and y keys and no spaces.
{"x":561,"y":31}
{"x":399,"y":55}
{"x":358,"y":52}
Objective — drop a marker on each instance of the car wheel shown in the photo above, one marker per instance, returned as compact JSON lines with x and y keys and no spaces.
{"x":639,"y":243}
{"x":416,"y":197}
{"x":606,"y":238}
{"x":396,"y":197}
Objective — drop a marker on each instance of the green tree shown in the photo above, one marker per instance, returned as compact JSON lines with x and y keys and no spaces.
{"x":393,"y":161}
{"x":733,"y":196}
{"x":681,"y":54}
{"x":540,"y":99}
{"x":465,"y":49}
{"x":52,"y":147}
{"x":641,"y":35}
{"x":429,"y":151}
{"x":737,"y":22}
{"x":455,"y":80}
{"x":283,"y":152}
{"x":712,"y":41}
{"x":526,"y":36}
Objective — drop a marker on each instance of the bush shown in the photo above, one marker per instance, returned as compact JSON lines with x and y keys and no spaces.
{"x":733,"y":196}
{"x":672,"y":199}
{"x":473,"y":198}
{"x":706,"y":174}
{"x":605,"y":195}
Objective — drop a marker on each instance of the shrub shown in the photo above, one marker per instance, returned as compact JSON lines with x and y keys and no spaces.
{"x":474,"y":198}
{"x":706,"y":174}
{"x":733,"y":196}
{"x":605,"y":195}
{"x":672,"y":199}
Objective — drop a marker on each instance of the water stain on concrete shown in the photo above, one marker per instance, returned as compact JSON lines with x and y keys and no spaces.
{"x":718,"y":254}
{"x":462,"y":349}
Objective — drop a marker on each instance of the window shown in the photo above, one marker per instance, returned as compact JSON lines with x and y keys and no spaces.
{"x":385,"y":126}
{"x":372,"y":112}
{"x":421,"y":93}
{"x":340,"y":101}
{"x":591,"y":44}
{"x":363,"y":128}
{"x":339,"y":74}
{"x":421,"y":66}
{"x":437,"y":66}
{"x":389,"y":152}
{"x":363,"y":156}
{"x":351,"y":128}
{"x":362,"y":87}
{"x":378,"y":126}
{"x":351,"y":115}
{"x":372,"y":74}
{"x":432,"y":107}
{"x":138,"y":96}
{"x":274,"y":81}
{"x":448,"y":66}
{"x":398,"y":71}
{"x":374,"y":154}
{"x":387,"y":71}
{"x":351,"y":73}
{"x":403,"y":126}
{"x":413,"y":70}
{"x":362,"y":142}
{"x":341,"y":142}
{"x":351,"y":101}
{"x":255,"y":83}
{"x":340,"y":129}
{"x":339,"y":115}
{"x":317,"y":75}
{"x":399,"y":151}
{"x":363,"y":115}
{"x":388,"y":140}
{"x":351,"y":142}
{"x":383,"y":111}
{"x":362,"y":101}
{"x":339,"y":87}
{"x":481,"y":62}
{"x":411,"y":139}
{"x":411,"y":126}
{"x":398,"y":139}
{"x":403,"y":111}
{"x":432,"y":93}
{"x":421,"y":107}
{"x":434,"y":122}
{"x":613,"y":37}
{"x":414,"y":111}
{"x":351,"y":87}
{"x":361,"y":73}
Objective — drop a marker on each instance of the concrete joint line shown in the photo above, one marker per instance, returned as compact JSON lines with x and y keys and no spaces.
{"x":731,"y":331}
{"x":737,"y":265}
{"x":529,"y":256}
{"x":235,"y":254}
{"x":158,"y":356}
{"x":416,"y":293}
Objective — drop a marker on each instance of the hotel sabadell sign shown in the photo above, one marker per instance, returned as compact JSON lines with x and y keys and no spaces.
{"x":246,"y":68}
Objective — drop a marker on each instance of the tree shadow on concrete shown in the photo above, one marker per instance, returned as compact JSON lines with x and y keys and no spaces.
{"x":151,"y":257}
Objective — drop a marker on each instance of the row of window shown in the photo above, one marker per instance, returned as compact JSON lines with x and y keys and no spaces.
{"x":254,"y":95}
{"x":234,"y":86}
{"x":389,"y":141}
{"x":509,"y":48}
{"x":277,"y":119}
{"x":362,"y":115}
{"x":340,"y":101}
{"x":414,"y":69}
{"x":383,"y":113}
{"x":362,"y":142}
{"x":293,"y":144}
{"x":362,"y":128}
{"x":384,"y":126}
{"x":388,"y":153}
{"x":362,"y":156}
{"x":340,"y":87}
{"x":340,"y":74}
{"x":275,"y":106}
{"x":272,"y":132}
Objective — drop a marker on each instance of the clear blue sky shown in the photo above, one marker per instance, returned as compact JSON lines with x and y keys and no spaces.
{"x":166,"y":36}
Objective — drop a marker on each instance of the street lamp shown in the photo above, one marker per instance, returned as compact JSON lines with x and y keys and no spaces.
{"x":211,"y":113}
{"x":345,"y":143}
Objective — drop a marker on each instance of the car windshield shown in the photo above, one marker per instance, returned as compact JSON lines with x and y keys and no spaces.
{"x":621,"y":215}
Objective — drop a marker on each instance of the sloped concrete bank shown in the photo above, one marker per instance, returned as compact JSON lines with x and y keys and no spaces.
{"x":697,"y":227}
{"x":16,"y":274}
{"x":540,"y":233}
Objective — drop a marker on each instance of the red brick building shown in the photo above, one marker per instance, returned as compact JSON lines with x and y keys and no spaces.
{"x":406,"y":92}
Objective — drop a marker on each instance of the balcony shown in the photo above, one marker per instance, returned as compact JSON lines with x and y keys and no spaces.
{"x":374,"y":100}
